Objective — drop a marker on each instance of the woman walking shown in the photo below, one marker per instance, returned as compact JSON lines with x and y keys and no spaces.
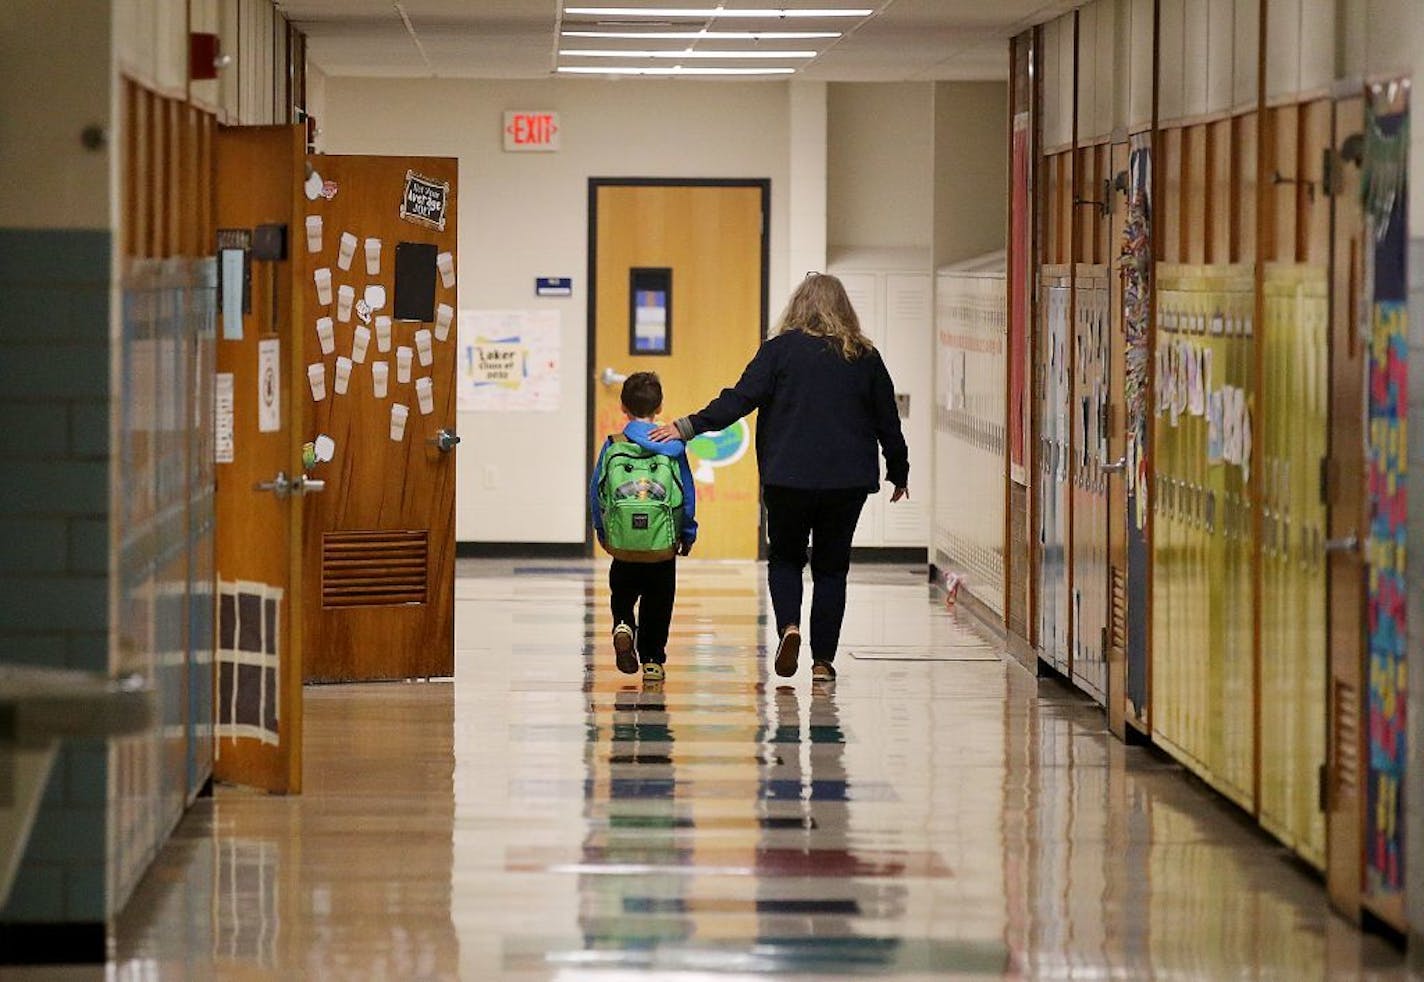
{"x":826,"y":403}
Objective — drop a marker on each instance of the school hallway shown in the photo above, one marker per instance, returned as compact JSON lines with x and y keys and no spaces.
{"x":936,"y":813}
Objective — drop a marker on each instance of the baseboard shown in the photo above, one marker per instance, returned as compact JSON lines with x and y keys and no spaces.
{"x":53,"y":944}
{"x":915,"y":555}
{"x":521,"y":550}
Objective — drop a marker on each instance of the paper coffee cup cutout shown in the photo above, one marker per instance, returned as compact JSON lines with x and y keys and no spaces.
{"x":445,"y":262}
{"x":404,"y":357}
{"x":363,"y":312}
{"x":359,"y":344}
{"x":373,"y":256}
{"x":383,"y":333}
{"x":325,"y":448}
{"x":375,"y":297}
{"x":325,"y":335}
{"x":425,"y":392}
{"x":313,"y":233}
{"x":344,"y":297}
{"x":423,"y":346}
{"x":380,"y":378}
{"x":444,"y":313}
{"x":316,"y":378}
{"x":343,"y":374}
{"x":346,"y":250}
{"x":312,"y":186}
{"x":398,"y":418}
{"x":323,"y":286}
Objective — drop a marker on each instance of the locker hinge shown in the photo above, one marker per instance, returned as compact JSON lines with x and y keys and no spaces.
{"x":1322,"y":789}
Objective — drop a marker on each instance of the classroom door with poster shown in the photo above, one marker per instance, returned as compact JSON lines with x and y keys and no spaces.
{"x":678,"y":272}
{"x":257,"y":713}
{"x":376,"y":410}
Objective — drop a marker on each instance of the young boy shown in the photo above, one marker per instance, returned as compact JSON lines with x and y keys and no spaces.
{"x":642,"y":538}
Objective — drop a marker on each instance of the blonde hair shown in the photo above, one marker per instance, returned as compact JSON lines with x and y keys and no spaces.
{"x":819,"y":307}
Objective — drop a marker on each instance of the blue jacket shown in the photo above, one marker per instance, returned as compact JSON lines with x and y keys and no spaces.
{"x":637,"y":431}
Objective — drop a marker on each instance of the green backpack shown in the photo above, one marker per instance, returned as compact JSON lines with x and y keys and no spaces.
{"x":640,"y":495}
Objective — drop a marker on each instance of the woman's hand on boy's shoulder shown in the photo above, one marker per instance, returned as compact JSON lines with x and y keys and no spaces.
{"x":664,"y":433}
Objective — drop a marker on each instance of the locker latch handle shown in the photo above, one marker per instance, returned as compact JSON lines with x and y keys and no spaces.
{"x":1347,"y":543}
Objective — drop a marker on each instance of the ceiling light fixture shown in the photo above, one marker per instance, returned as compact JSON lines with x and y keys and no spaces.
{"x":689,"y":53}
{"x":676,"y":70}
{"x":707,"y":35}
{"x":689,"y":13}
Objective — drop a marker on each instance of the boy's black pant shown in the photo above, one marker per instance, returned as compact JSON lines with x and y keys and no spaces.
{"x":655,"y":585}
{"x":827,"y":520}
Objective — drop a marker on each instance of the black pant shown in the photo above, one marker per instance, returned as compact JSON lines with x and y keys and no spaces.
{"x":827,"y":520}
{"x":655,"y":584}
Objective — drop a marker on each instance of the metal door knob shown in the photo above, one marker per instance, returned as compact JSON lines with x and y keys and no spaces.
{"x":610,"y":377}
{"x":444,"y":441}
{"x":309,"y":485}
{"x":281,"y":485}
{"x":1117,"y":467}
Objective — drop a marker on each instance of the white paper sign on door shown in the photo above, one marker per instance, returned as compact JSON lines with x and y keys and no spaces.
{"x":269,"y":387}
{"x":223,"y":446}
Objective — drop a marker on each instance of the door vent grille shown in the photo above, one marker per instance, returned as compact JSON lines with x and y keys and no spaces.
{"x":1345,"y":748}
{"x":374,"y":569}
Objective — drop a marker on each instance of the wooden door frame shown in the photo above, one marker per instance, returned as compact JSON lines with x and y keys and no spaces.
{"x":591,"y":320}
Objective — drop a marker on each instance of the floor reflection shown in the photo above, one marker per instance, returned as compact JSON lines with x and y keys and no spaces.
{"x":937,"y":813}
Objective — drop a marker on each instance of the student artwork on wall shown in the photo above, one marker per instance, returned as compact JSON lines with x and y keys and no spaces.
{"x":508,"y":361}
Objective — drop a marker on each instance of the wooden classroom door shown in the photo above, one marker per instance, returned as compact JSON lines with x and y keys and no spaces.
{"x":679,"y":281}
{"x":257,"y":721}
{"x":1345,"y":735}
{"x":377,"y":416}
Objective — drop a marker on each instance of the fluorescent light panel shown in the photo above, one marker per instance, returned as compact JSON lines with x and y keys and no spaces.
{"x":676,"y":70}
{"x":707,"y":35}
{"x":598,"y":53}
{"x":763,"y":13}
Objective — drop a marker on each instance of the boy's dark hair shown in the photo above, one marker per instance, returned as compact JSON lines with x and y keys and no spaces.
{"x":642,"y":394}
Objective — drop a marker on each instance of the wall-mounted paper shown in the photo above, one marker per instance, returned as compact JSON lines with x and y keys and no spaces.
{"x":232,"y":270}
{"x":223,"y":446}
{"x":508,"y":361}
{"x":269,"y":385}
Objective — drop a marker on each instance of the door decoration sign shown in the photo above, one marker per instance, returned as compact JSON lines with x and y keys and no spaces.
{"x":424,"y":201}
{"x":508,"y":361}
{"x":1385,"y":180}
{"x":269,"y":387}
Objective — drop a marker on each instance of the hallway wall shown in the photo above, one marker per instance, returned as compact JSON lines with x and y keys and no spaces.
{"x":525,"y":215}
{"x":879,"y":165}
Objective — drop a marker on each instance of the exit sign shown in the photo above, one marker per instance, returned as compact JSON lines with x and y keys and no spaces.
{"x":531,"y":130}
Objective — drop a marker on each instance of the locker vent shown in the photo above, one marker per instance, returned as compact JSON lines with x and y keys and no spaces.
{"x":1345,"y":748}
{"x":373,"y":569}
{"x":1117,"y":615}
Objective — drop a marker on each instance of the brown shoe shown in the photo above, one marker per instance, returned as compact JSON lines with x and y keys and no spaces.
{"x":787,"y":650}
{"x":822,"y":672}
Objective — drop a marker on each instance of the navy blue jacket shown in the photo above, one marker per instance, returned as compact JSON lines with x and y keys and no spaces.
{"x":821,"y":416}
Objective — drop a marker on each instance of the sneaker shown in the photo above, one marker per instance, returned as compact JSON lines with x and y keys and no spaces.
{"x":822,"y":671}
{"x":787,"y":650}
{"x":653,"y":672}
{"x":623,"y":649}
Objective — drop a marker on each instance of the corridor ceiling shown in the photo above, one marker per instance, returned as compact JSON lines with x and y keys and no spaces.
{"x":896,"y":41}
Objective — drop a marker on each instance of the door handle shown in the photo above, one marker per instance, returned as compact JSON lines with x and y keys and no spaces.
{"x":445,"y":440}
{"x":308,"y":485}
{"x":1117,"y":467}
{"x":610,"y":377}
{"x":281,"y":485}
{"x":1347,"y":543}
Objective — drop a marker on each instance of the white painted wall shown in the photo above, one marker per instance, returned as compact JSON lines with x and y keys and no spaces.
{"x":971,"y":169}
{"x":880,"y":165}
{"x":524,"y":215}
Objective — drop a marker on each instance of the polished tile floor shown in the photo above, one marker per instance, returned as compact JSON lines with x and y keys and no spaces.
{"x":937,"y":813}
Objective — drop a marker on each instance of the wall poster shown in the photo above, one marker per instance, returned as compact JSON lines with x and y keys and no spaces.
{"x":1384,"y":189}
{"x":508,"y":361}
